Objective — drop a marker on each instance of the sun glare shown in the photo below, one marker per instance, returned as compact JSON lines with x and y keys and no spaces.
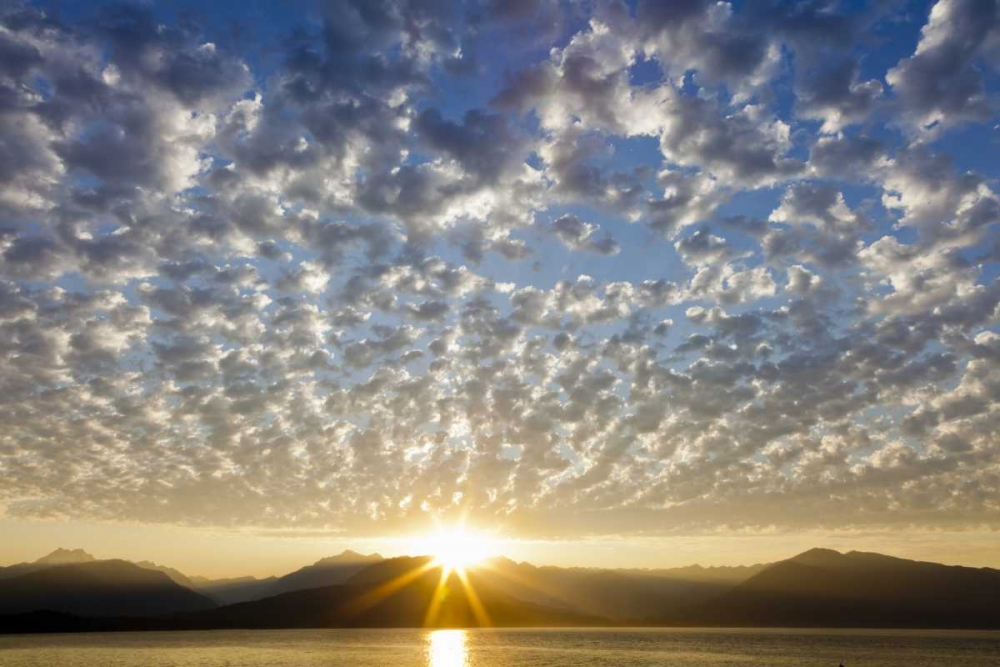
{"x":447,"y":649}
{"x":458,"y":548}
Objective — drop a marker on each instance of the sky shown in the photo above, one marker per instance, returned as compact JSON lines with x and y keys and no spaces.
{"x":623,"y":284}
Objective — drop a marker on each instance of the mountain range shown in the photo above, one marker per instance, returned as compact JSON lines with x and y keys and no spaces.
{"x":70,"y":590}
{"x":824,"y":588}
{"x":98,"y":588}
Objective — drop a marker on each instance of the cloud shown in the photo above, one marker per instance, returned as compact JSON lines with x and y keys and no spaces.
{"x":709,"y":38}
{"x":578,"y":235}
{"x":747,"y":147}
{"x":282,"y":282}
{"x":932,"y":198}
{"x":941,"y":83}
{"x":835,"y":96}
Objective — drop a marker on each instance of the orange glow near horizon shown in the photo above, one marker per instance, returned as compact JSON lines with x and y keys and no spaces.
{"x":457,"y":548}
{"x":452,"y":551}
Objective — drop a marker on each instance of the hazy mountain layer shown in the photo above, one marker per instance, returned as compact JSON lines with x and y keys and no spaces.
{"x":57,"y":557}
{"x":99,"y":588}
{"x":816,"y":588}
{"x":629,"y":595}
{"x":825,"y":588}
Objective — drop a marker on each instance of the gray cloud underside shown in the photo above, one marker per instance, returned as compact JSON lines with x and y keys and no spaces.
{"x":236,"y":300}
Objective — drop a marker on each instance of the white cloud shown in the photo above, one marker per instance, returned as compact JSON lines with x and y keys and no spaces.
{"x":301,"y":294}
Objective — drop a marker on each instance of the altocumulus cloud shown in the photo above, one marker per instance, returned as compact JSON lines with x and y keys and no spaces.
{"x":642,"y":268}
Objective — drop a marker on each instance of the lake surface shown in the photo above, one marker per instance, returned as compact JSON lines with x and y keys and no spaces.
{"x":505,"y":648}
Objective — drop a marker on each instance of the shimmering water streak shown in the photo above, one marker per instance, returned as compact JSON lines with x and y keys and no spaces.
{"x":507,"y":648}
{"x":447,"y":649}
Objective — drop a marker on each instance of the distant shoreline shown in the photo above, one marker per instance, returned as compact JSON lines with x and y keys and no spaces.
{"x":57,"y":623}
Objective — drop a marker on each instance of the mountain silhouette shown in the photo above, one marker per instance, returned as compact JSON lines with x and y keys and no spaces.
{"x":822,"y":587}
{"x":389,"y":569}
{"x":628,"y":595}
{"x":57,"y":557}
{"x":175,"y":575}
{"x":220,"y":591}
{"x":817,"y":588}
{"x":235,"y":589}
{"x":98,"y":588}
{"x":324,"y":572}
{"x":66,"y":556}
{"x":398,"y":593}
{"x":394,"y":593}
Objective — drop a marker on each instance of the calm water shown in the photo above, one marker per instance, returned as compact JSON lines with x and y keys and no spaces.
{"x":505,"y":648}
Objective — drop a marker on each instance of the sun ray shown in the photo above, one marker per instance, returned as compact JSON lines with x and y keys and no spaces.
{"x":482,"y":618}
{"x":454,"y":549}
{"x":457,"y":547}
{"x":437,"y":598}
{"x":384,"y":590}
{"x":517,"y":578}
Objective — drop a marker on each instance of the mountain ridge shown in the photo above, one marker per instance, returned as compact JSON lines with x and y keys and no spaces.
{"x":98,"y":588}
{"x":818,"y":587}
{"x":826,"y":588}
{"x":325,"y":571}
{"x":65,"y":556}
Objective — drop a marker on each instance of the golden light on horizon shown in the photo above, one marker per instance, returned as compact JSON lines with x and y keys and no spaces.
{"x":451,"y":551}
{"x":457,"y":548}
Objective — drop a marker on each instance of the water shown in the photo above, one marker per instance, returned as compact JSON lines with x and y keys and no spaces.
{"x":506,"y":648}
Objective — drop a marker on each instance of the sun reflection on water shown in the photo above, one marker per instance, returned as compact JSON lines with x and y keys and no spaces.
{"x":447,"y":649}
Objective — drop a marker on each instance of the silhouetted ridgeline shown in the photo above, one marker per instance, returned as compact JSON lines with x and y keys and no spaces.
{"x":824,"y":588}
{"x":98,"y":588}
{"x":373,"y":601}
{"x":325,"y":572}
{"x":819,"y":588}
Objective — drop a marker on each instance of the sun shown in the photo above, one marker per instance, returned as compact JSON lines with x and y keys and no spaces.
{"x":458,"y":548}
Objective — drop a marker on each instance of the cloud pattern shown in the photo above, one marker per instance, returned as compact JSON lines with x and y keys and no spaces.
{"x":571,"y":271}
